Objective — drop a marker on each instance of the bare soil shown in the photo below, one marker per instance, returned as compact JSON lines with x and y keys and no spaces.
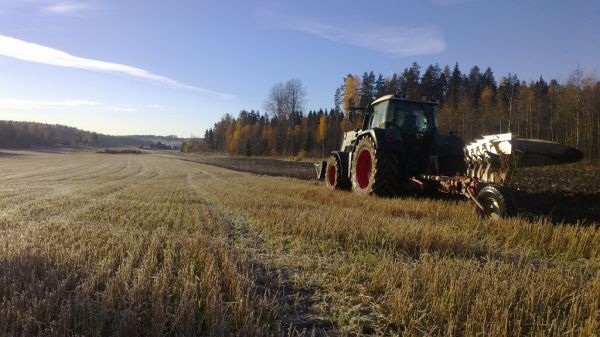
{"x":261,"y":166}
{"x":568,"y":193}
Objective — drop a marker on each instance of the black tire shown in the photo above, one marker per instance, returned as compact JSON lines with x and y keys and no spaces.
{"x":334,"y":175}
{"x":375,"y":171}
{"x":497,"y":202}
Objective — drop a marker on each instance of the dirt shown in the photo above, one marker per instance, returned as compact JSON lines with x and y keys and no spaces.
{"x":569,"y":193}
{"x":562,"y":194}
{"x":262,"y":166}
{"x":9,"y":154}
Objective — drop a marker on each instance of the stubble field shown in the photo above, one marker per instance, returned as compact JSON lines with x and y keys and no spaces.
{"x":139,"y":245}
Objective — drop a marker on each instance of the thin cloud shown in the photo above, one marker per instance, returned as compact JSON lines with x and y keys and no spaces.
{"x":33,"y":105}
{"x":121,"y":109}
{"x":394,"y":40}
{"x":32,"y":52}
{"x":65,"y":8}
{"x":154,"y":106}
{"x":24,"y":104}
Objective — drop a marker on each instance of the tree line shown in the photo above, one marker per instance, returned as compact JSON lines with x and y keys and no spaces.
{"x":27,"y":134}
{"x":472,"y":103}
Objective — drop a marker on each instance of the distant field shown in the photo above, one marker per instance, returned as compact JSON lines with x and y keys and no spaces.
{"x":102,"y":245}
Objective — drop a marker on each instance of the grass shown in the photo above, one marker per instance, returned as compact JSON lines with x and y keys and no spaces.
{"x":139,"y":245}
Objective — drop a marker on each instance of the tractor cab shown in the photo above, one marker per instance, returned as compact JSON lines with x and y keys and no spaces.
{"x":403,"y":115}
{"x":412,"y":123}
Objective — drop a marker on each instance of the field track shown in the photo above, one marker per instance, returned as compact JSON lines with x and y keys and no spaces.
{"x":139,"y":245}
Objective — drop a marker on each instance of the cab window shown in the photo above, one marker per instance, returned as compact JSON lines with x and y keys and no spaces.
{"x":412,"y":117}
{"x":379,"y":115}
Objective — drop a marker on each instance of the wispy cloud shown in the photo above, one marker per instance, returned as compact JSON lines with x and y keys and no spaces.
{"x":32,"y":52}
{"x":65,"y":8}
{"x":40,"y":105}
{"x":394,"y":40}
{"x":24,"y":104}
{"x":121,"y":108}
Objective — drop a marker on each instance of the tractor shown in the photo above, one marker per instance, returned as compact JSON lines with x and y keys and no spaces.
{"x":399,"y":151}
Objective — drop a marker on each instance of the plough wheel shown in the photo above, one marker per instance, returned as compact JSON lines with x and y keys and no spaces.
{"x":497,"y":202}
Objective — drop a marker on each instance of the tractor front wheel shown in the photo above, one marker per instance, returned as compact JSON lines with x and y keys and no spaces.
{"x":375,"y":171}
{"x":497,"y":203}
{"x":334,"y":175}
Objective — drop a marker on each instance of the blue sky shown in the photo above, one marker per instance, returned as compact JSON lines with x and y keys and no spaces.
{"x":175,"y":67}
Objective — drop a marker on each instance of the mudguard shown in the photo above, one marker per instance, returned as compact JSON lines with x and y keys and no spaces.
{"x":343,"y":158}
{"x":384,"y":139}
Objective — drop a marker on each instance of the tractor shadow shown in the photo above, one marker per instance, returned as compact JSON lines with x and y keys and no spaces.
{"x":559,"y":207}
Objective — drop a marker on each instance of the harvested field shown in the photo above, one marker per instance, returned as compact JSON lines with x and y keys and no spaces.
{"x":568,"y":193}
{"x":140,"y":245}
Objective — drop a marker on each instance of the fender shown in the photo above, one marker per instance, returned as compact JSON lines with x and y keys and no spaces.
{"x":344,"y":159}
{"x":384,"y":139}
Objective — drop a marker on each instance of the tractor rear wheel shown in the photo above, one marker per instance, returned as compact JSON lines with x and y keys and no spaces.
{"x":497,"y":203}
{"x":334,"y":175}
{"x":375,"y":171}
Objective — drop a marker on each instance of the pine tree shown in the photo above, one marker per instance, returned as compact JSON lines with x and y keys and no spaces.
{"x":367,"y":89}
{"x":379,"y":86}
{"x":488,"y":80}
{"x":392,"y":85}
{"x":430,"y":81}
{"x":409,"y":81}
{"x":338,"y":99}
{"x":455,"y":86}
{"x":474,"y":86}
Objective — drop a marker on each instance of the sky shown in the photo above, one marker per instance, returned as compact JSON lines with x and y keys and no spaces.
{"x":175,"y":67}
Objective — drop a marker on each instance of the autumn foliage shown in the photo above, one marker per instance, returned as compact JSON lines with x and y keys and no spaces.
{"x":471,"y":104}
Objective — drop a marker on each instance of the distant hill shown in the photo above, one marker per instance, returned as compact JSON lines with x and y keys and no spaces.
{"x":27,"y":134}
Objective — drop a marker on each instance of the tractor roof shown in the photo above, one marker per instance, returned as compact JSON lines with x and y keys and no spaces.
{"x":405,"y":98}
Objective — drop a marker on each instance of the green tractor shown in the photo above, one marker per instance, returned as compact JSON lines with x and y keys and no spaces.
{"x":399,"y":150}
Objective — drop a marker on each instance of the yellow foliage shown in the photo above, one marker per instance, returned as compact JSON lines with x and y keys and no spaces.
{"x":322,"y":134}
{"x":351,"y":92}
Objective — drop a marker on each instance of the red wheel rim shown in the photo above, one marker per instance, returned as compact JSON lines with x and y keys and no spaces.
{"x":331,"y":175}
{"x":363,"y":168}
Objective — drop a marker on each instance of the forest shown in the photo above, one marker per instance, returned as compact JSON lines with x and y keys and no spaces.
{"x":472,"y":103}
{"x":26,"y":134}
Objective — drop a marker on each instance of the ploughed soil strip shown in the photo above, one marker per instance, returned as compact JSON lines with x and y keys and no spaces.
{"x":262,"y":166}
{"x":568,"y":193}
